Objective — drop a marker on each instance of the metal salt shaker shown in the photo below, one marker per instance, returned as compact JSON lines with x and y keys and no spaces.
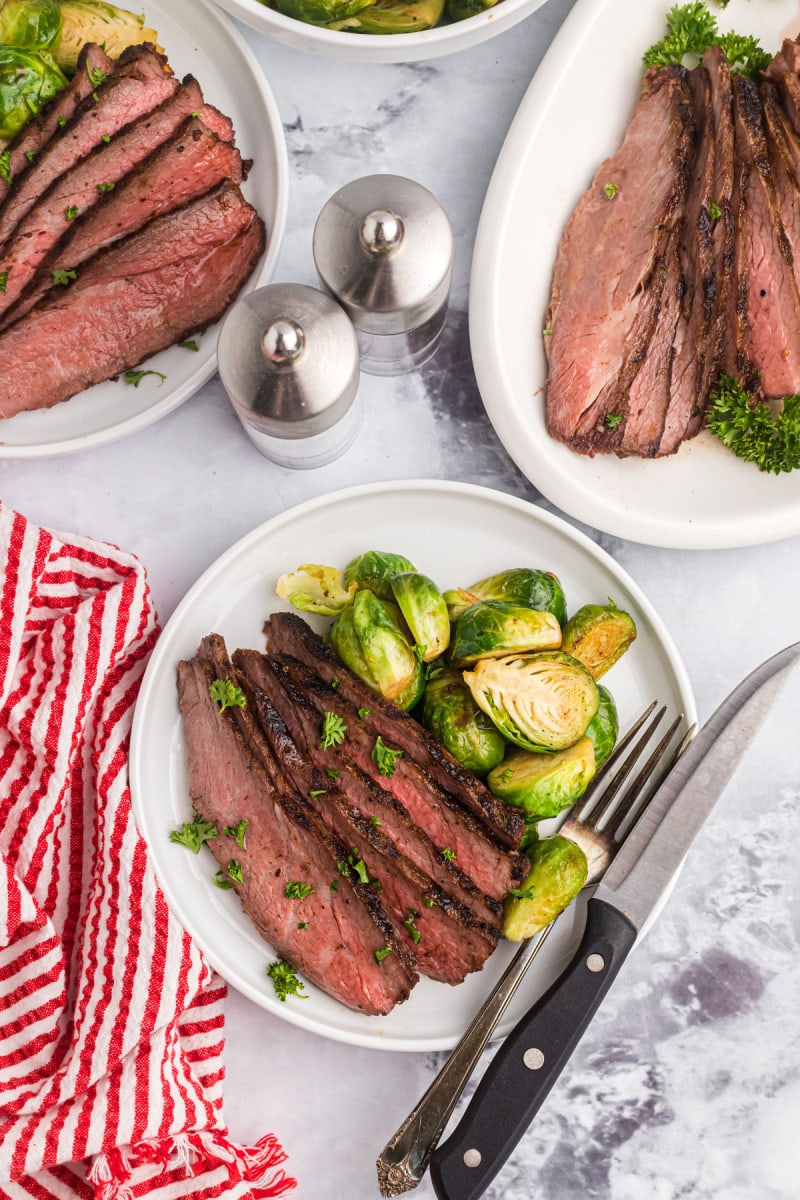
{"x":383,"y":248}
{"x":288,"y":359}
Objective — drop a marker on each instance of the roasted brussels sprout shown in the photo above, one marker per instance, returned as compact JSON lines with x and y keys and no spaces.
{"x":603,"y":728}
{"x":28,"y":80}
{"x":375,"y":570}
{"x":413,"y":693}
{"x":425,"y":612}
{"x":493,"y":628}
{"x":522,"y":585}
{"x":316,"y":588}
{"x":394,"y":16}
{"x":459,"y":10}
{"x":597,"y":635}
{"x":544,"y":784}
{"x":538,"y":701}
{"x":95,"y":21}
{"x":390,"y":659}
{"x":558,"y":872}
{"x":455,"y":720}
{"x":32,"y":24}
{"x":346,"y":646}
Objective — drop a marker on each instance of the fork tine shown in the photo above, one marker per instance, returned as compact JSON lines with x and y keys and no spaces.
{"x":615,"y":756}
{"x":610,"y":794}
{"x":634,"y":793}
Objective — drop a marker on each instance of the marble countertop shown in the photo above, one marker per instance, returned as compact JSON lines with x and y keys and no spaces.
{"x":687,"y":1084}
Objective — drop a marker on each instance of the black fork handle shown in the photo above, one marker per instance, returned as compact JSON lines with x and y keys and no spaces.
{"x":530,"y":1060}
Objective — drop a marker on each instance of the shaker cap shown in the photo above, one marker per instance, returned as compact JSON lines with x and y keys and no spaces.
{"x":288,"y":359}
{"x":383,"y":247}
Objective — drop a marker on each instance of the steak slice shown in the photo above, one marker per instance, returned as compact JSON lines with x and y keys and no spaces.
{"x":452,"y":828}
{"x":190,"y":163}
{"x":285,"y":841}
{"x":158,"y":286}
{"x":602,"y":308}
{"x":784,"y":158}
{"x":302,"y":722}
{"x":67,"y":205}
{"x":31,"y":139}
{"x":287,"y":633}
{"x":137,"y":85}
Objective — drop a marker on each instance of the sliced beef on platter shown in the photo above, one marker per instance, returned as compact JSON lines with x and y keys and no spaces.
{"x":26,"y":146}
{"x":173,"y":278}
{"x":601,"y":310}
{"x":138,"y":84}
{"x":285,"y":840}
{"x":451,"y":827}
{"x":377,"y":804}
{"x":784,"y":157}
{"x":155,"y":177}
{"x":287,"y":633}
{"x":122,"y":180}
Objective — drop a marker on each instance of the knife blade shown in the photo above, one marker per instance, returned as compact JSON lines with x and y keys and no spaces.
{"x":532,"y":1057}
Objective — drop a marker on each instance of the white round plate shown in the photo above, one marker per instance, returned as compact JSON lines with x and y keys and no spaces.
{"x":574,"y":114}
{"x":197,"y":40}
{"x":457,"y":533}
{"x":368,"y":47}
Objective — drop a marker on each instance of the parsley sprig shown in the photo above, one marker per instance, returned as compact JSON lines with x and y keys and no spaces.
{"x":285,"y":981}
{"x":295,"y":890}
{"x":194,"y":834}
{"x":226,"y":694}
{"x":752,"y":431}
{"x":333,"y":730}
{"x":384,"y":757}
{"x":691,"y":29}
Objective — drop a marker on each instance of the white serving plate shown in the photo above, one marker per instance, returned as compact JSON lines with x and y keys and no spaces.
{"x":197,"y":40}
{"x":457,"y":533}
{"x":370,"y":47}
{"x":573,"y":115}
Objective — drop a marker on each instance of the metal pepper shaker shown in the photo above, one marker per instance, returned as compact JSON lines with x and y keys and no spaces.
{"x":288,"y":359}
{"x":383,"y":248}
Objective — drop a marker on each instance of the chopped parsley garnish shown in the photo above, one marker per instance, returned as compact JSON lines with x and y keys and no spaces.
{"x":363,"y":713}
{"x":221,"y":882}
{"x":429,"y":902}
{"x":448,"y":855}
{"x":194,"y":834}
{"x":750,"y":429}
{"x":106,"y":137}
{"x":3,"y":281}
{"x":285,"y":981}
{"x":333,"y":730}
{"x":105,"y":187}
{"x":334,"y":884}
{"x":235,"y":870}
{"x":612,"y":420}
{"x":190,"y":345}
{"x":547,"y":332}
{"x":416,"y":937}
{"x":196,"y":114}
{"x":380,"y":955}
{"x":610,"y":190}
{"x":62,"y":122}
{"x":714,"y":210}
{"x":136,"y":377}
{"x":332,"y":773}
{"x":226,"y":694}
{"x":5,"y":167}
{"x":384,"y":757}
{"x":691,"y":29}
{"x":358,"y":865}
{"x":295,"y":890}
{"x":71,"y":212}
{"x":316,"y":792}
{"x":302,"y":924}
{"x":343,"y":868}
{"x":375,"y":820}
{"x":521,"y":893}
{"x":30,"y":155}
{"x":334,"y":683}
{"x":63,"y":278}
{"x":237,"y":831}
{"x":96,"y":76}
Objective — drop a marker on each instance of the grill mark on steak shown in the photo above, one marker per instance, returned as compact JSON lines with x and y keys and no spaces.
{"x":153,"y":176}
{"x":38,"y":132}
{"x":289,"y":634}
{"x":122,"y":163}
{"x":493,"y":868}
{"x":154,"y":288}
{"x":302,"y":722}
{"x":602,"y":307}
{"x":285,"y":840}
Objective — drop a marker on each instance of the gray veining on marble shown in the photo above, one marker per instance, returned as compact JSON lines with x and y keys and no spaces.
{"x":687,"y":1085}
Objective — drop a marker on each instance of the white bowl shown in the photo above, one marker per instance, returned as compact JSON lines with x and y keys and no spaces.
{"x":370,"y":47}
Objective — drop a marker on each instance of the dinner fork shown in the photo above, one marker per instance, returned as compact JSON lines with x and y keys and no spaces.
{"x":599,"y":822}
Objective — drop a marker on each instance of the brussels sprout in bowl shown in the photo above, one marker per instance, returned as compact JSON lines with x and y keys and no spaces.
{"x":394,"y":19}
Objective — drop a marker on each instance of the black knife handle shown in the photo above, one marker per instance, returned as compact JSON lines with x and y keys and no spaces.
{"x":530,"y":1060}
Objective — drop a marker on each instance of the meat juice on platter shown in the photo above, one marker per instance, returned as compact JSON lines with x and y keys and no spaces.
{"x":122,"y":227}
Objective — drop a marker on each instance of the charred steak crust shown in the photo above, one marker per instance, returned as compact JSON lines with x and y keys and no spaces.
{"x":287,"y":633}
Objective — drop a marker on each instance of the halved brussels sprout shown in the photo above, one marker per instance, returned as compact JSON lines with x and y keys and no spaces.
{"x":394,"y":16}
{"x":538,"y":701}
{"x":413,"y":693}
{"x":33,"y":24}
{"x":346,"y":646}
{"x":111,"y":27}
{"x":389,"y":658}
{"x":459,"y":10}
{"x":493,"y":628}
{"x":455,"y":720}
{"x":28,"y":80}
{"x":544,"y":784}
{"x":521,"y":585}
{"x":316,"y":588}
{"x":425,"y":612}
{"x":558,"y":872}
{"x":603,"y":729}
{"x":375,"y":570}
{"x":598,"y":635}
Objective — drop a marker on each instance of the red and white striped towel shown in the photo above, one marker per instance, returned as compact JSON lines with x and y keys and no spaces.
{"x":111,"y":1023}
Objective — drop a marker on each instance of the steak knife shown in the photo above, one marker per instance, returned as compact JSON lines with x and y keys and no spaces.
{"x":532,"y":1057}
